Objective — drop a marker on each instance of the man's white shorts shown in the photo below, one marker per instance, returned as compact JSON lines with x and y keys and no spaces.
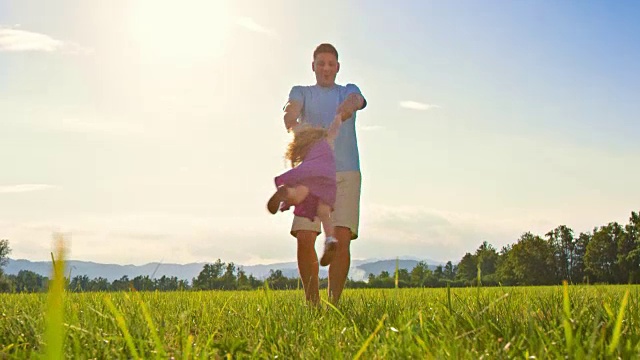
{"x":346,"y":210}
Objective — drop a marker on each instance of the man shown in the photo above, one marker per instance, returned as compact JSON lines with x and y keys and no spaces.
{"x":318,"y":105}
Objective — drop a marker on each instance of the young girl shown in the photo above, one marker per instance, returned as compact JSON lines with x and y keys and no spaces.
{"x":310,"y":185}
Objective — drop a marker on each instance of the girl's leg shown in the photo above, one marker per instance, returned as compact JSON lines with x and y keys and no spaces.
{"x":297,"y":194}
{"x":292,"y":195}
{"x":324,"y":214}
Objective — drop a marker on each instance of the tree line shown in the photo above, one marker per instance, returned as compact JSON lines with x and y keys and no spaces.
{"x":609,"y":254}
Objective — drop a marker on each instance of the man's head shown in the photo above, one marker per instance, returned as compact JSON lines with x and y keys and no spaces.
{"x":325,"y":64}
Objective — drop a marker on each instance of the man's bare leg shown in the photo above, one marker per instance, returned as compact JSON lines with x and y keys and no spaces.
{"x":339,"y":268}
{"x":308,"y":265}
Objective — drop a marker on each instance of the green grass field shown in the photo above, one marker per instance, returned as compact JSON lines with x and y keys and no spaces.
{"x":518,"y":322}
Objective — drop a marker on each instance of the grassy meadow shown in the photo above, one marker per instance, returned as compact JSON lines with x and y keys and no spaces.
{"x":518,"y":322}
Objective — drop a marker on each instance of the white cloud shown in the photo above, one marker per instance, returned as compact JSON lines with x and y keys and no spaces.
{"x":18,"y":40}
{"x":250,"y":24}
{"x":435,"y":234}
{"x":21,"y":40}
{"x":414,"y":105}
{"x":143,"y":237}
{"x":139,"y":238}
{"x":8,"y":189}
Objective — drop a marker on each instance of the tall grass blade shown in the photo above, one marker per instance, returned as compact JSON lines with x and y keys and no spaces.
{"x":449,"y":298}
{"x":370,"y":338}
{"x":617,"y":329}
{"x":54,"y":332}
{"x":123,"y":327}
{"x":397,"y":271}
{"x":152,"y":328}
{"x":566,"y":322}
{"x":187,"y":347}
{"x":334,"y":308}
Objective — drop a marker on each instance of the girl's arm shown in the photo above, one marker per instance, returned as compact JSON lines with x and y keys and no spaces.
{"x":351,"y":104}
{"x":334,"y":129}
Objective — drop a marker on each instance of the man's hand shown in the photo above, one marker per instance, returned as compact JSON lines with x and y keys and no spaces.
{"x":351,"y":104}
{"x":292,"y":112}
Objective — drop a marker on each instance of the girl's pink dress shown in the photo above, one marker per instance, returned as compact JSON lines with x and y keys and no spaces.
{"x":318,"y":173}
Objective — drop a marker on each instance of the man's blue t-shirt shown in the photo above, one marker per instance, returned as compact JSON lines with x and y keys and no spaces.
{"x":319,"y":105}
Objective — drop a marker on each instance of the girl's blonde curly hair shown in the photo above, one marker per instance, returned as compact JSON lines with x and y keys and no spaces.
{"x":303,"y":139}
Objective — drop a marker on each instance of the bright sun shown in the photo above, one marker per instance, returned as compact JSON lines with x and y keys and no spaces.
{"x":180,"y":31}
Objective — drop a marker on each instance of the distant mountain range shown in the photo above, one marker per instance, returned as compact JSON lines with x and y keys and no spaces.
{"x":360,"y":269}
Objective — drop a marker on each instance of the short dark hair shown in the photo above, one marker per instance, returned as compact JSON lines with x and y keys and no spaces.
{"x":325,"y":48}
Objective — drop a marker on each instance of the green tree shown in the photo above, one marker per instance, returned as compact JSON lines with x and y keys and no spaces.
{"x":417,"y":275}
{"x":532,"y":261}
{"x":384,"y":280}
{"x":404,"y":278}
{"x":242,"y":280}
{"x":183,"y":285}
{"x":438,"y":272}
{"x":166,"y":283}
{"x":278,"y":281}
{"x":629,"y":249}
{"x":371,"y":278}
{"x":229,"y":277}
{"x":143,"y":283}
{"x":578,"y":272}
{"x":6,"y":284}
{"x":29,"y":281}
{"x":99,"y":284}
{"x":562,"y":242}
{"x":602,"y":252}
{"x":208,"y":278}
{"x":449,"y":271}
{"x":79,"y":283}
{"x":504,"y":267}
{"x":121,"y":284}
{"x":254,"y":283}
{"x":5,"y":250}
{"x":467,"y":268}
{"x":487,"y":256}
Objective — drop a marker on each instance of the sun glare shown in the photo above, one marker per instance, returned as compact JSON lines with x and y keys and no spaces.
{"x":180,"y":31}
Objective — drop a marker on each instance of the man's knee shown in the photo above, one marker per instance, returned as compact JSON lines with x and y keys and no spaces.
{"x":306,"y":238}
{"x":343,"y":235}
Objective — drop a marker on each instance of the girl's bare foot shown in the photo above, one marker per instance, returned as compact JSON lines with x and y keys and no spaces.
{"x":276,"y":199}
{"x":329,"y":252}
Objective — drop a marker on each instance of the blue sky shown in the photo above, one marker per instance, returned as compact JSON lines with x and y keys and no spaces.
{"x":152,"y":130}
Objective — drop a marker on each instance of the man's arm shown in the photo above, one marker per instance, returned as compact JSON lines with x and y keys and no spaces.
{"x":291,"y":114}
{"x":351,"y":104}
